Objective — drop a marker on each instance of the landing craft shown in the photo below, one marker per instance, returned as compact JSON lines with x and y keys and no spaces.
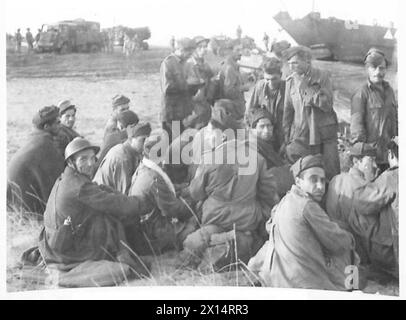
{"x":337,"y":39}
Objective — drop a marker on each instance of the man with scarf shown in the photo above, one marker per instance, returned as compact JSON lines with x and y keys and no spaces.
{"x":261,"y":130}
{"x":308,"y":112}
{"x":170,"y":220}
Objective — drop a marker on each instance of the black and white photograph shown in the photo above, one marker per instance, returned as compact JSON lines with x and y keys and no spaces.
{"x":202,"y":145}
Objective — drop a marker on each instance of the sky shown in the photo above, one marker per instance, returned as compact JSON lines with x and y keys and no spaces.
{"x":190,"y":18}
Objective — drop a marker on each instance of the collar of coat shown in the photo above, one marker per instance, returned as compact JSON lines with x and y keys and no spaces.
{"x":129,"y":150}
{"x":356,"y":172}
{"x":312,"y":76}
{"x":372,"y":86}
{"x":154,"y":167}
{"x":296,"y":190}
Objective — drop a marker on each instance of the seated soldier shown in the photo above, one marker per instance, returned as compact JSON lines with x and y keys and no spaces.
{"x":341,"y":188}
{"x":262,"y":128}
{"x":66,"y":134}
{"x":308,"y":249}
{"x":224,"y":116}
{"x":374,"y":216}
{"x":119,"y":135}
{"x":167,"y":224}
{"x":118,"y":166}
{"x":85,"y":221}
{"x":233,"y":200}
{"x":33,"y":169}
{"x":120,"y":103}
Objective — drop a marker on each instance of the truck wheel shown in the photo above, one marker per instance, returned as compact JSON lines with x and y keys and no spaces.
{"x":64,"y":49}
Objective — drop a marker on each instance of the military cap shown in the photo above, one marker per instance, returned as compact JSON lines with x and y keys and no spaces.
{"x":374,"y":57}
{"x":119,"y":100}
{"x":272,"y":65}
{"x":65,"y":105}
{"x":257,"y":114}
{"x":362,"y":149}
{"x":46,"y":115}
{"x":186,"y":43}
{"x":302,"y":51}
{"x":199,"y":39}
{"x":225,"y":114}
{"x":140,"y":129}
{"x":79,"y":144}
{"x":127,"y":117}
{"x":297,"y":149}
{"x":307,"y":162}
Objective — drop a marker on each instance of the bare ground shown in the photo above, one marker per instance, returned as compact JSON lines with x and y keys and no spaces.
{"x":90,"y":81}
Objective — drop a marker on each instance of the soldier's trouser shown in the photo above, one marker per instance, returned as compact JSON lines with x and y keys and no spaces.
{"x":197,"y":242}
{"x":329,"y":151}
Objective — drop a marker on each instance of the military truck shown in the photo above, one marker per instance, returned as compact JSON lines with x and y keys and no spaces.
{"x":143,"y":34}
{"x":70,"y":36}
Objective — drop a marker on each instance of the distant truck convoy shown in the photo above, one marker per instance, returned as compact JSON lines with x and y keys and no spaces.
{"x":70,"y":36}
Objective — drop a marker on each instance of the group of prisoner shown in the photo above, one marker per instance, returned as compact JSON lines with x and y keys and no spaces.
{"x":296,"y":217}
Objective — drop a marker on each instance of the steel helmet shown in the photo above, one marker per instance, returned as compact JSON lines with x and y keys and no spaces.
{"x":78,"y":144}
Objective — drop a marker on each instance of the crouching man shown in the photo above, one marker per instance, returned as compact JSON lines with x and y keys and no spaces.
{"x":308,"y":250}
{"x":170,"y":220}
{"x":83,"y":221}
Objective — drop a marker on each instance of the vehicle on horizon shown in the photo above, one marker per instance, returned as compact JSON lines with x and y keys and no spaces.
{"x":336,"y":39}
{"x":70,"y":36}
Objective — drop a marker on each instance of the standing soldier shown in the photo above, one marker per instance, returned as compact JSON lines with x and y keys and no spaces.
{"x":30,"y":40}
{"x":199,"y":71}
{"x":374,"y":108}
{"x":239,"y":33}
{"x":172,"y":44}
{"x":175,"y":90}
{"x":266,"y":41}
{"x":308,"y":113}
{"x":19,"y":39}
{"x":231,"y":82}
{"x":37,"y":37}
{"x":269,"y":94}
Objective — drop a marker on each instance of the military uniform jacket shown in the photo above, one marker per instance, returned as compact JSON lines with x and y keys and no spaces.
{"x":175,"y":100}
{"x":229,"y":197}
{"x":310,"y":250}
{"x":273,"y":101}
{"x":308,"y":112}
{"x":34,"y":169}
{"x":96,"y":214}
{"x":340,"y":193}
{"x":64,"y":136}
{"x":232,"y":87}
{"x":374,"y":117}
{"x":117,"y":168}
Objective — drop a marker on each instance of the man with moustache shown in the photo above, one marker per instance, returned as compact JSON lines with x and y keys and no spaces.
{"x":374,"y":108}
